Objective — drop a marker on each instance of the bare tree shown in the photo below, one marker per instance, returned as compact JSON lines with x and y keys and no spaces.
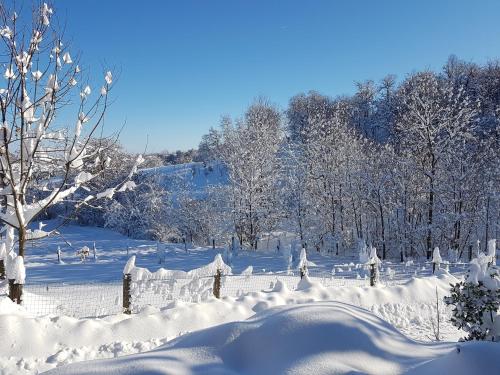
{"x":42,"y":160}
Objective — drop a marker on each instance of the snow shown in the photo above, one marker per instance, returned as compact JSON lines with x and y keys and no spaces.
{"x":299,"y":339}
{"x":19,"y":273}
{"x":436,"y":256}
{"x":42,"y":341}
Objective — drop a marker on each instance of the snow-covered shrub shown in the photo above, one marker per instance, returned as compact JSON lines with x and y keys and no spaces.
{"x":476,"y":301}
{"x":83,"y":253}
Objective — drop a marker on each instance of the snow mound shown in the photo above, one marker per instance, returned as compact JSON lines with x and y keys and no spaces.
{"x":477,"y":357}
{"x":312,"y":338}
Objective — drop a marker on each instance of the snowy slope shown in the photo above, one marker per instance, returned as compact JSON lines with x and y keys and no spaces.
{"x":193,"y":177}
{"x":313,"y":338}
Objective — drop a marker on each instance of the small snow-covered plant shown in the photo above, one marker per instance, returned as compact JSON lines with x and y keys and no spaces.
{"x":476,"y":301}
{"x":436,"y":323}
{"x":83,"y":253}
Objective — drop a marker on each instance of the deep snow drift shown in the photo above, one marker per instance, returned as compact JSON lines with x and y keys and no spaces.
{"x":32,"y":344}
{"x":313,"y":338}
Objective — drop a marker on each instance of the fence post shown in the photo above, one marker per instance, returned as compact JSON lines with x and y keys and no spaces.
{"x":217,"y":283}
{"x":11,"y":289}
{"x":213,"y":243}
{"x":373,"y":276}
{"x":127,"y":279}
{"x":185,"y":245}
{"x":470,"y":253}
{"x":18,"y":293}
{"x":95,"y":251}
{"x":2,"y":269}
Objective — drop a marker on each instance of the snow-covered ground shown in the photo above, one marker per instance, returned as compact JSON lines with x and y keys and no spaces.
{"x":32,"y":343}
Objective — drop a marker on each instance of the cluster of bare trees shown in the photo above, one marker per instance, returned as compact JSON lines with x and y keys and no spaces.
{"x":406,"y":166}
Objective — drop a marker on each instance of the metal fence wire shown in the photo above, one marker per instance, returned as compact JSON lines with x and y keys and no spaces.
{"x":76,"y":300}
{"x":102,"y":299}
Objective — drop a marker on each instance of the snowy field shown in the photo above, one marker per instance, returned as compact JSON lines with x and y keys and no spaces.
{"x":42,"y":335}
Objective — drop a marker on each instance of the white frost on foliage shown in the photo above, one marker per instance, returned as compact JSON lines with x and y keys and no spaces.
{"x":492,"y":249}
{"x":138,"y":161}
{"x":83,"y":177}
{"x":108,"y":193}
{"x":67,"y":58}
{"x":36,"y":234}
{"x":3,"y":251}
{"x":129,"y":185}
{"x":108,"y":78}
{"x":479,"y":272}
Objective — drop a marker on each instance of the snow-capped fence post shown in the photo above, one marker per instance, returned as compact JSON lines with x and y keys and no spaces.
{"x":17,"y":281}
{"x":373,"y":262}
{"x":303,"y":263}
{"x":127,"y":281}
{"x":436,"y":259}
{"x":217,"y":283}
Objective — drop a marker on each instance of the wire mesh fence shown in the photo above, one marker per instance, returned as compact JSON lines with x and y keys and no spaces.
{"x":101,"y":299}
{"x":77,"y":300}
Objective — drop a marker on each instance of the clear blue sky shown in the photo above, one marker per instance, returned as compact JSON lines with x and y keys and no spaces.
{"x":185,"y":63}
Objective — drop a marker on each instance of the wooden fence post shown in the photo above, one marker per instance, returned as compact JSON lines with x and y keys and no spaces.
{"x":373,"y":274}
{"x":18,"y":293}
{"x":127,"y":279}
{"x":470,"y":253}
{"x":217,"y":283}
{"x":2,"y":269}
{"x":303,"y":271}
{"x":11,"y":289}
{"x":213,"y":243}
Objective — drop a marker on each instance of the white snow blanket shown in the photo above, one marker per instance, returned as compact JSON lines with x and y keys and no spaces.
{"x":313,"y":338}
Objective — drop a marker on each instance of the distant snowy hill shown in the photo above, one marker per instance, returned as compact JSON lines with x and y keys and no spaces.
{"x":193,"y":177}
